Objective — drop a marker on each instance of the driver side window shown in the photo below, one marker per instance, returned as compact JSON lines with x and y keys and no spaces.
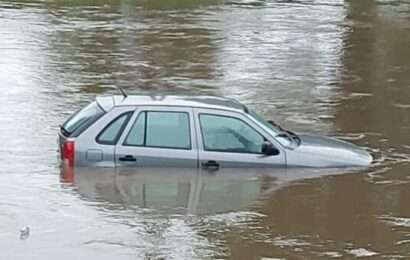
{"x":229,"y":134}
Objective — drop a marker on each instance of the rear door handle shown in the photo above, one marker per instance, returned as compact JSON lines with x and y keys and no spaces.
{"x":127,"y":158}
{"x":210,"y":164}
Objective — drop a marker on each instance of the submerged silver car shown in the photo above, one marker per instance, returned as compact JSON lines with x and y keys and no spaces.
{"x":192,"y":131}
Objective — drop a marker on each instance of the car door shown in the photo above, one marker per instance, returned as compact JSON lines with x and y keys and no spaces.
{"x":158,"y":137}
{"x":230,"y":139}
{"x":95,"y":147}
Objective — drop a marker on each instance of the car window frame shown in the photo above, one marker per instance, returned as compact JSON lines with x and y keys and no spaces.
{"x":146,"y":111}
{"x":227,"y":116}
{"x":120,"y":132}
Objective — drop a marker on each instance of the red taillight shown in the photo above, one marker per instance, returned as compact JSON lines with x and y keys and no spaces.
{"x":68,"y":152}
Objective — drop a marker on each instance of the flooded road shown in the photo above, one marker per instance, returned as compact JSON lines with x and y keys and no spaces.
{"x":340,"y":68}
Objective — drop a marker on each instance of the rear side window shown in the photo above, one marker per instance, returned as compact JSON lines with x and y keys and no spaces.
{"x":81,"y":120}
{"x":112,"y":132}
{"x":161,"y":129}
{"x":137,"y":133}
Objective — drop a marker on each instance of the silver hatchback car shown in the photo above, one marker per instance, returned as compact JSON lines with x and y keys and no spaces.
{"x":192,"y":131}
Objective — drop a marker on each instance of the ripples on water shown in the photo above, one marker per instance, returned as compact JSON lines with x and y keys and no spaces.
{"x":338,"y":68}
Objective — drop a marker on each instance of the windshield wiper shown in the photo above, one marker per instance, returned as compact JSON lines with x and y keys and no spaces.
{"x":285,"y":133}
{"x":294,"y":136}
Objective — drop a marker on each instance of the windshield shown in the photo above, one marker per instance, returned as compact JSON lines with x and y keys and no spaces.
{"x":261,"y":120}
{"x":83,"y":119}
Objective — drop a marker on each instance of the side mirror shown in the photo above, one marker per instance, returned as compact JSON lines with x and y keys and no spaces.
{"x":269,"y":149}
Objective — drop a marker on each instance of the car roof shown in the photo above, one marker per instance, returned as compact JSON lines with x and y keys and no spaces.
{"x":213,"y":102}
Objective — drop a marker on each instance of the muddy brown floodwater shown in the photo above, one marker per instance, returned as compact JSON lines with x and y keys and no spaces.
{"x":340,"y":68}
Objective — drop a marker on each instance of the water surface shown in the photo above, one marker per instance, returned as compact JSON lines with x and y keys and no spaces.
{"x":339,"y":68}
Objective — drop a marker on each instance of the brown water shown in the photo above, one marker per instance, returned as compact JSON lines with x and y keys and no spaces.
{"x":336,"y":67}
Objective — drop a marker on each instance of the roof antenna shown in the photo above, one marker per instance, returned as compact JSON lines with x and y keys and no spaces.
{"x":124,"y":94}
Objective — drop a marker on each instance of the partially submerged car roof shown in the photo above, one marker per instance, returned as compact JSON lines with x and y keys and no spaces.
{"x":215,"y":102}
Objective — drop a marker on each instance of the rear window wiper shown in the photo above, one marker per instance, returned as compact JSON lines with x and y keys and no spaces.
{"x":64,"y":131}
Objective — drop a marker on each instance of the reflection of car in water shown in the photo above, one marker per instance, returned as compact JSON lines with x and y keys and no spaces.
{"x":192,"y":131}
{"x":182,"y":191}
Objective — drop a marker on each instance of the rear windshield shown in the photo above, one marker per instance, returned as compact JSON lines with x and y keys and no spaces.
{"x":82,"y":119}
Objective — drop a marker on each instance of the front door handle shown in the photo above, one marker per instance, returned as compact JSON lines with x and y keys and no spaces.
{"x":210,"y":164}
{"x":127,"y":158}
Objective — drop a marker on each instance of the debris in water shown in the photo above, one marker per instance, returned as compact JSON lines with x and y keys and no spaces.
{"x":24,"y":233}
{"x":362,"y":252}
